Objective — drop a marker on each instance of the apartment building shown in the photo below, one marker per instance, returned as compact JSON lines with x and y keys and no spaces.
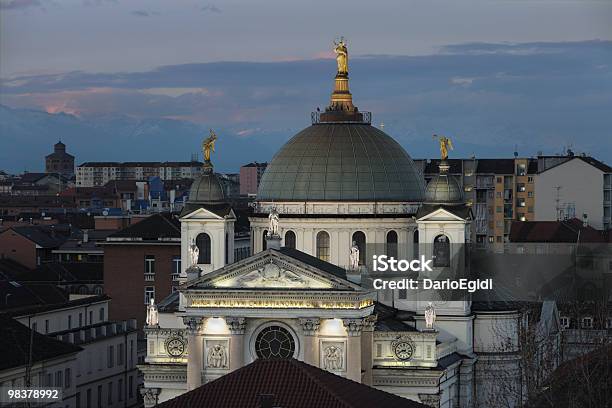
{"x":92,"y":174}
{"x":250,"y":176}
{"x":574,"y":186}
{"x":104,"y":372}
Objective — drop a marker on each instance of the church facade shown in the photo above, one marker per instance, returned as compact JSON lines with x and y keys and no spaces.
{"x":335,"y":193}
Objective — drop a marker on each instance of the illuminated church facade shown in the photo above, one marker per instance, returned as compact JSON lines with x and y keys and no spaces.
{"x":338,"y":184}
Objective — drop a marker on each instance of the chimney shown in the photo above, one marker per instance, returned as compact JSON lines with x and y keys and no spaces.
{"x":585,"y":220}
{"x":85,"y":236}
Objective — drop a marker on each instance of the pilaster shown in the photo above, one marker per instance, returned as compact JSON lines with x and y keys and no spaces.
{"x":236,"y":326}
{"x":310,"y":329}
{"x":194,"y":351}
{"x":353,"y":343}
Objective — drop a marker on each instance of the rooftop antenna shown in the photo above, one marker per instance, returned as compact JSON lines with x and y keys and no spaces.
{"x":515,"y":151}
{"x":557,"y":202}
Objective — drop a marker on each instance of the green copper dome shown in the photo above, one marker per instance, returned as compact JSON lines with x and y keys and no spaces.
{"x":336,"y":161}
{"x":206,"y":188}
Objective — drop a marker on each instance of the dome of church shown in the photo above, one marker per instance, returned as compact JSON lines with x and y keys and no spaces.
{"x":340,"y":161}
{"x":206,"y":188}
{"x":443,"y":189}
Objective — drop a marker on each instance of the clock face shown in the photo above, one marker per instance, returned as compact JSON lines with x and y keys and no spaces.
{"x":403,"y":350}
{"x":175,"y":346}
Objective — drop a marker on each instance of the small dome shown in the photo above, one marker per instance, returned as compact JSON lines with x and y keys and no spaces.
{"x":206,"y":189}
{"x":443,"y":189}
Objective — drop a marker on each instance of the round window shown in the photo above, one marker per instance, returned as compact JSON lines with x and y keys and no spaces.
{"x":274,"y":342}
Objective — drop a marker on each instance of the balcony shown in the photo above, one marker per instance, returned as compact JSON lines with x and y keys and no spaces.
{"x":149,"y":277}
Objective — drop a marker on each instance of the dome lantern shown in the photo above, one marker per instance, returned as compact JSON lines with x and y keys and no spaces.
{"x":443,"y":188}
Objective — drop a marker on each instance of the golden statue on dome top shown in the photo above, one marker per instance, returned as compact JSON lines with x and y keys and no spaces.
{"x":208,"y":145}
{"x":445,"y":145}
{"x":341,"y":56}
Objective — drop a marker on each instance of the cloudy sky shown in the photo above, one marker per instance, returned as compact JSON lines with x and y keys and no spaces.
{"x":495,"y":75}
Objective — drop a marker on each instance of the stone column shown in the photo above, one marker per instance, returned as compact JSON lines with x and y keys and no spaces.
{"x":236,"y":327}
{"x":367,"y":343}
{"x":195,"y":343}
{"x":353,"y":345}
{"x":310,"y":328}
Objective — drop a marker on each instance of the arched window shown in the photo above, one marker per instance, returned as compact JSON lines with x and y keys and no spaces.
{"x":290,"y":239}
{"x":392,"y":244}
{"x":323,"y":246}
{"x":264,"y":242}
{"x":203,"y":243}
{"x":98,"y":290}
{"x":274,"y":342}
{"x":441,"y":251}
{"x":415,"y":244}
{"x":359,"y":238}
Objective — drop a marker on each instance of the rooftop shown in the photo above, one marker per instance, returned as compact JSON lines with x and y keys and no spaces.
{"x":290,"y":384}
{"x":142,"y":164}
{"x":45,"y":236}
{"x":157,"y":227}
{"x":16,"y":338}
{"x":568,"y":231}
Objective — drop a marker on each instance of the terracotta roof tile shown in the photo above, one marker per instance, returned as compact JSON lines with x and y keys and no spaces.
{"x":291,"y":384}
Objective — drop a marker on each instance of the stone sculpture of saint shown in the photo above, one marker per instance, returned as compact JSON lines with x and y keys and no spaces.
{"x":341,"y":56}
{"x":430,"y":316}
{"x":152,"y":315}
{"x":194,"y":253}
{"x":273,"y":217}
{"x":354,"y":257}
{"x":333,"y":358}
{"x":217,"y":357}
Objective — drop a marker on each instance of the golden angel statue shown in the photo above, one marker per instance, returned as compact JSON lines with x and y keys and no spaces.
{"x":445,"y":145}
{"x":341,"y":56}
{"x":208,"y":145}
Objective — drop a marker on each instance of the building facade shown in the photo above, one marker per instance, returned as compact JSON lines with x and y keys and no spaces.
{"x":92,"y":174}
{"x":562,"y":192}
{"x":104,"y":371}
{"x":250,"y":177}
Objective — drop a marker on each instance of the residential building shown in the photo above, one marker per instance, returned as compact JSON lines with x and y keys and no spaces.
{"x":32,"y":245}
{"x":92,"y":174}
{"x":59,"y":161}
{"x":574,"y":186}
{"x":142,"y":261}
{"x":104,"y":372}
{"x":575,"y":262}
{"x":52,"y":363}
{"x":250,"y":177}
{"x":39,"y":184}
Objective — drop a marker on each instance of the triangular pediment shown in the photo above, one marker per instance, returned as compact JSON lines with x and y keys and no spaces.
{"x":442,"y":214}
{"x":273,"y":270}
{"x":203,"y":213}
